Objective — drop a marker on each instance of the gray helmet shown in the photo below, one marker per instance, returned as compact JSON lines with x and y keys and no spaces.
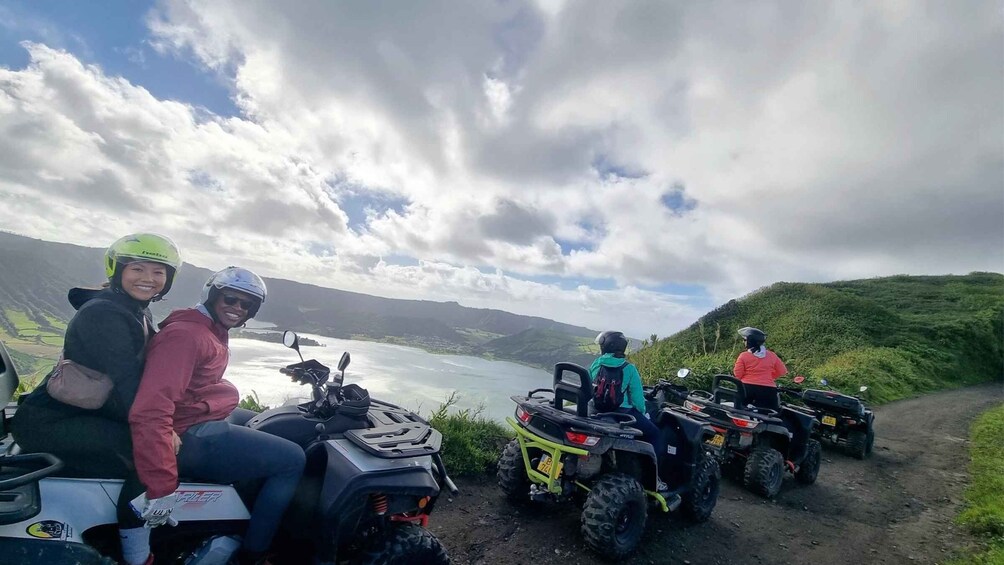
{"x":235,"y":278}
{"x":753,"y":336}
{"x":612,"y":342}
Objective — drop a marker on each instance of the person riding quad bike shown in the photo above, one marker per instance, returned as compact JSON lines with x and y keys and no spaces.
{"x":756,"y":444}
{"x":563,"y":453}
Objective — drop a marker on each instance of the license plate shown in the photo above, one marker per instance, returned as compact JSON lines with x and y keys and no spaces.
{"x":829,"y":421}
{"x":716,"y":441}
{"x":545,"y":465}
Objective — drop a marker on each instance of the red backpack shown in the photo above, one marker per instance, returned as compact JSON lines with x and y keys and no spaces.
{"x":608,"y":395}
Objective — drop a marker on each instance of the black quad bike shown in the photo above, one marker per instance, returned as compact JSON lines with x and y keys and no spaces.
{"x":843,"y":419}
{"x":372,"y":477}
{"x":753,"y":444}
{"x":563,"y":453}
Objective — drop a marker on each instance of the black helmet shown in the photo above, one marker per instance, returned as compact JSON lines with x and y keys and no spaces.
{"x":754,"y":337}
{"x":612,"y":342}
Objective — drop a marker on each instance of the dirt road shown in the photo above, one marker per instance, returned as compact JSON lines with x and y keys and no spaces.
{"x":895,"y":507}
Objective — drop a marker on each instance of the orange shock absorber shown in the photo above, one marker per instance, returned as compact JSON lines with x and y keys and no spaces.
{"x":379,"y":502}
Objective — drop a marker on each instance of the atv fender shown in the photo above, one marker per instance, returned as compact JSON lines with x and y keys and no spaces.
{"x":644,"y":453}
{"x":350,"y":474}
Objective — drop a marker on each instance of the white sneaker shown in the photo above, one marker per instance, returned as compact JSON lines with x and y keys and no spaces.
{"x":661,"y":486}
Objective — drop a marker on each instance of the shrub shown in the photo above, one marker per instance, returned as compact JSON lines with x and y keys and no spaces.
{"x":471,"y":442}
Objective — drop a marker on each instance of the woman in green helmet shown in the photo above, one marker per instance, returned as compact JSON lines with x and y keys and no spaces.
{"x":108,"y":334}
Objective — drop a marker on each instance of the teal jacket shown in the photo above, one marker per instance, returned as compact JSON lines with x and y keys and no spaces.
{"x":633,"y":395}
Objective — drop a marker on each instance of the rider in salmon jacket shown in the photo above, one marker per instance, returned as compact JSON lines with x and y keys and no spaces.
{"x":758,"y":368}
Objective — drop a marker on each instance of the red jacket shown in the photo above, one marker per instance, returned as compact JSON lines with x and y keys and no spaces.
{"x":182,"y":385}
{"x":754,"y":370}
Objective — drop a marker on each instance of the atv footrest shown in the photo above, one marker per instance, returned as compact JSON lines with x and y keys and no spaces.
{"x":411,"y":439}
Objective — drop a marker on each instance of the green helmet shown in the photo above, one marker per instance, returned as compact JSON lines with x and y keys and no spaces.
{"x":143,"y":247}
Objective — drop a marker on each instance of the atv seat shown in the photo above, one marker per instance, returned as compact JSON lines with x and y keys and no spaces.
{"x":736,"y":393}
{"x":572,"y":384}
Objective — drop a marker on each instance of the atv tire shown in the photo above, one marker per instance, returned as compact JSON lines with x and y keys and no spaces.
{"x":764,"y":471}
{"x":407,"y":544}
{"x":857,"y":444}
{"x":870,"y":442}
{"x":809,"y":468}
{"x":700,"y":500}
{"x":511,"y":475}
{"x":613,"y":518}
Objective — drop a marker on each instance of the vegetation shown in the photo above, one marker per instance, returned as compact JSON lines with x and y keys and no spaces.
{"x":471,"y":442}
{"x":253,"y":403}
{"x":899,"y":335}
{"x":984,"y":513}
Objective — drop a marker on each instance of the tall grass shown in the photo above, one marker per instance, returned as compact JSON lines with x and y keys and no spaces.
{"x":984,"y":513}
{"x":471,"y":442}
{"x":900,"y":335}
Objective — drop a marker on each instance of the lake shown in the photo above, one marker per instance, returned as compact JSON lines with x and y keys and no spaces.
{"x":406,"y":376}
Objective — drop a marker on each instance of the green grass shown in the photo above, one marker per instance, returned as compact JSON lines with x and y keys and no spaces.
{"x":984,"y":513}
{"x":902,"y":336}
{"x":471,"y":442}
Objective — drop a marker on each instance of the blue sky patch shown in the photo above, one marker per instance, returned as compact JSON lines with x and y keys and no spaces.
{"x":357,"y":204}
{"x":677,"y":201}
{"x":571,"y":283}
{"x":113,"y":35}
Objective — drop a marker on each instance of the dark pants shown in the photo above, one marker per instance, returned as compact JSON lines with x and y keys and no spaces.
{"x":90,"y":447}
{"x":763,"y":396}
{"x":650,"y":432}
{"x":225,"y":453}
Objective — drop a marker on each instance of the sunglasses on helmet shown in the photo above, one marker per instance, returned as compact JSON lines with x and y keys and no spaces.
{"x":231,"y":300}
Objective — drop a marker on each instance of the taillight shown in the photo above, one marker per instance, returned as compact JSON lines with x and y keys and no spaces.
{"x":691,"y":406}
{"x":582,"y":439}
{"x":522,"y":415}
{"x":744,"y":423}
{"x":851,"y":422}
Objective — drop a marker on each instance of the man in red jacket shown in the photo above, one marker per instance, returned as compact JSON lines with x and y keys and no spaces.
{"x":758,"y":368}
{"x":183,"y":391}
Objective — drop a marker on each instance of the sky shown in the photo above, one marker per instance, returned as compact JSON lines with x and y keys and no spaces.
{"x":616,"y":165}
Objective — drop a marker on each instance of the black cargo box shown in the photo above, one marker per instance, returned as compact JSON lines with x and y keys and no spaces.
{"x":834,"y":402}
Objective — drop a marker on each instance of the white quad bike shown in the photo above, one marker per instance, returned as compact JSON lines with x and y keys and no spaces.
{"x":372,"y":478}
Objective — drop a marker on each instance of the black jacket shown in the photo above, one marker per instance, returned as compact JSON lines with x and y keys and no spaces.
{"x":106,"y":334}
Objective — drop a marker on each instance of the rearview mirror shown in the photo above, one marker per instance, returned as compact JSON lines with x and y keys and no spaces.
{"x":798,"y":379}
{"x":823,"y":382}
{"x":290,"y":339}
{"x":344,"y":361}
{"x":863,"y":388}
{"x":682,"y":373}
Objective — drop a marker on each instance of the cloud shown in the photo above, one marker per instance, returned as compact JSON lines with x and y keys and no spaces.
{"x":708,"y":145}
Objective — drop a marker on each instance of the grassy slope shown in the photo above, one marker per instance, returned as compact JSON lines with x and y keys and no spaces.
{"x":900,"y":335}
{"x":984,"y":514}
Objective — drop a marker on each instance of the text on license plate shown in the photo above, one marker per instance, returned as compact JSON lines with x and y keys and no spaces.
{"x":829,"y":421}
{"x":545,"y":465}
{"x":717,"y":441}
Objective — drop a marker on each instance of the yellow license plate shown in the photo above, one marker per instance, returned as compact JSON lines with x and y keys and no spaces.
{"x":716,"y":441}
{"x":545,"y":465}
{"x":829,"y":421}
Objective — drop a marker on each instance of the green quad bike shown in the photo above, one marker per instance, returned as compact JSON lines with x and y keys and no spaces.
{"x":563,"y":453}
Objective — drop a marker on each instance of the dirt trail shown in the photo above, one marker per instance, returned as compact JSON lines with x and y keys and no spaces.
{"x":897,"y":507}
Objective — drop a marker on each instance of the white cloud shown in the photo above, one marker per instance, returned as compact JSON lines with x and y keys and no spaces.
{"x":794,"y":142}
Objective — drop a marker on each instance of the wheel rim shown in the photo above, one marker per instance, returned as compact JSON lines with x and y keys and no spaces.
{"x":625,"y":521}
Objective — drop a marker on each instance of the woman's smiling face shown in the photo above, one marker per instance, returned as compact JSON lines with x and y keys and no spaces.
{"x":143,"y":280}
{"x":233,"y":314}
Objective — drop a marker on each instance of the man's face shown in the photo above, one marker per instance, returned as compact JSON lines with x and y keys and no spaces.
{"x":231,"y":307}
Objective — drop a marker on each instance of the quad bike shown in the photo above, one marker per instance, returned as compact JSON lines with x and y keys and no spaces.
{"x":372,"y":477}
{"x":755,"y":444}
{"x":843,"y":419}
{"x":563,"y":453}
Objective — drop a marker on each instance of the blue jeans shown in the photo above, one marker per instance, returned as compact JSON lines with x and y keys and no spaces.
{"x":221,"y":452}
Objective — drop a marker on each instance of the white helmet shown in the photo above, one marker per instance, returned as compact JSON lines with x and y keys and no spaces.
{"x":235,"y":278}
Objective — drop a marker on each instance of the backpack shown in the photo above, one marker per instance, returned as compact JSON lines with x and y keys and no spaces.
{"x":608,"y":395}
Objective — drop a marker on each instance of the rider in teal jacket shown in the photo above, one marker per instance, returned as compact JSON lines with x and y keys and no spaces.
{"x":633,"y":396}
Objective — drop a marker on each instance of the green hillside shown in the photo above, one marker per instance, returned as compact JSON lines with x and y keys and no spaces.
{"x":542,"y":348}
{"x":900,"y":335}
